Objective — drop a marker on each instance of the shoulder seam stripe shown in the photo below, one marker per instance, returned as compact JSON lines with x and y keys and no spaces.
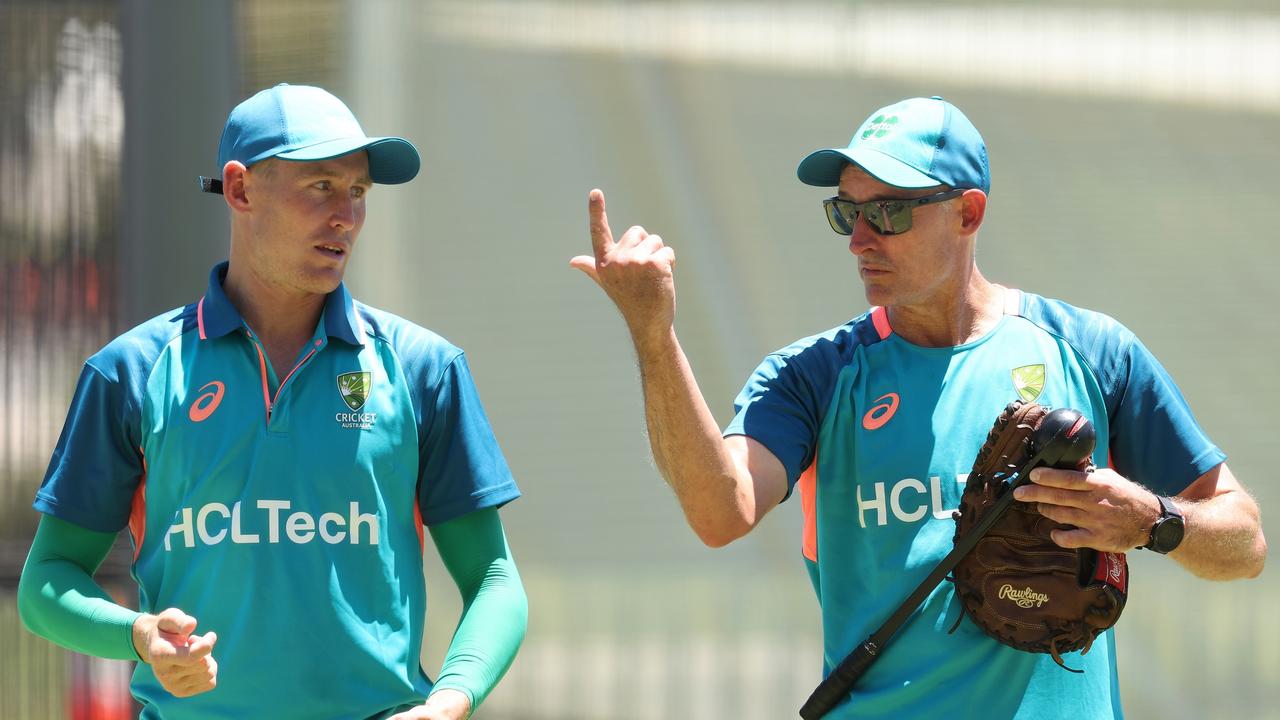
{"x":880,"y":319}
{"x":1013,"y":301}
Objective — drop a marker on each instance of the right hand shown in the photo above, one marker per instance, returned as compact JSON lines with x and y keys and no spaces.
{"x":182,"y":662}
{"x":636,"y":272}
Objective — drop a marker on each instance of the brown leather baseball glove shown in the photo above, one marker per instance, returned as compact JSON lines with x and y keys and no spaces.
{"x":1017,"y":584}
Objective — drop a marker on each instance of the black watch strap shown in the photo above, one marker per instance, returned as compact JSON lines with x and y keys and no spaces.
{"x":1166,"y":533}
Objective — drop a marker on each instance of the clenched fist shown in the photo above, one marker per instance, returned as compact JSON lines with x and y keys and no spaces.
{"x":182,"y":662}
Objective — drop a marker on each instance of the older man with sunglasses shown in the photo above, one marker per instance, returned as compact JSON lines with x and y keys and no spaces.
{"x":878,"y":420}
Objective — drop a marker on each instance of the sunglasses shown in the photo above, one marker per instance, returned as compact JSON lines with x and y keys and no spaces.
{"x":888,"y":217}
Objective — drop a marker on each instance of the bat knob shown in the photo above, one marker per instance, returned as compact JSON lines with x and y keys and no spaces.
{"x":1065,"y":437}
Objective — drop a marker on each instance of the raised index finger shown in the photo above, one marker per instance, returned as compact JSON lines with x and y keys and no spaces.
{"x":601,"y":236}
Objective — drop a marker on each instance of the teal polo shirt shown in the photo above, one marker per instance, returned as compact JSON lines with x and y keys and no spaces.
{"x":879,"y":435}
{"x":284,"y":513}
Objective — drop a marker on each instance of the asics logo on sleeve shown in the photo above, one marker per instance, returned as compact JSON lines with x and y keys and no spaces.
{"x":215,"y":523}
{"x":882,"y":412}
{"x":206,"y":402}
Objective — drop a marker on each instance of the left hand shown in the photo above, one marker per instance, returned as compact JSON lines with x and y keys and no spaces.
{"x":443,"y":705}
{"x":1109,"y":512}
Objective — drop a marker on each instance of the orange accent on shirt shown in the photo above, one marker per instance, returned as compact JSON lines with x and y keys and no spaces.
{"x":880,"y":320}
{"x":291,"y":372}
{"x":808,"y":485}
{"x":418,"y":525}
{"x":881,"y":412}
{"x":267,"y":400}
{"x":138,"y":512}
{"x":266,"y":394}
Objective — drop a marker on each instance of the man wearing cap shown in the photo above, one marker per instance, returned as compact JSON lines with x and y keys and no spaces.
{"x":276,"y":449}
{"x":878,"y":421}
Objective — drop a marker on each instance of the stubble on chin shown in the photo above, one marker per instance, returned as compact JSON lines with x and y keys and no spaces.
{"x":320,"y":282}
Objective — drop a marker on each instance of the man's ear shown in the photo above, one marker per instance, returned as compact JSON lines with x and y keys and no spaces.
{"x":233,"y":185}
{"x":973,"y":209}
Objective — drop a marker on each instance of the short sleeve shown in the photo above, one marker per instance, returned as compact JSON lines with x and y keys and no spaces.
{"x":1155,"y":439}
{"x":97,"y":463}
{"x":462,"y":467}
{"x":782,"y":405}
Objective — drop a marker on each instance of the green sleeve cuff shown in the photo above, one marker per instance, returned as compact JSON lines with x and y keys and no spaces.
{"x":59,"y":600}
{"x":471,"y":698}
{"x":495,"y":610}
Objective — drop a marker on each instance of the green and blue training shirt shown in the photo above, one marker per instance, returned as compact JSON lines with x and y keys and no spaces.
{"x":880,"y":435}
{"x":286,"y":514}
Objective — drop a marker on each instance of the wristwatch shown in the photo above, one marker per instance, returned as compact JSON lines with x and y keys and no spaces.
{"x":1166,"y":534}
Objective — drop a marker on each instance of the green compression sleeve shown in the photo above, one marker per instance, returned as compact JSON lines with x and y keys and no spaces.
{"x":495,"y":611}
{"x":59,"y":600}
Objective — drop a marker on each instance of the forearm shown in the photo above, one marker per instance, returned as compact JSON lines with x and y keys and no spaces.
{"x":488,"y":636}
{"x":59,"y":600}
{"x":1224,"y":539}
{"x":687,"y":446}
{"x":717,"y":488}
{"x":495,"y":609}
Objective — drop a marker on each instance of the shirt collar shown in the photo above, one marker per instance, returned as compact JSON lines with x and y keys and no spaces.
{"x":341,"y":319}
{"x":216,"y":316}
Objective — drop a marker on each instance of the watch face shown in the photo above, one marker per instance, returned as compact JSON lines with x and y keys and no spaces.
{"x":1167,"y":534}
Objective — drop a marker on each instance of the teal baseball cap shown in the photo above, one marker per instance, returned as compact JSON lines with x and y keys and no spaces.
{"x":303,"y":123}
{"x":915,"y":143}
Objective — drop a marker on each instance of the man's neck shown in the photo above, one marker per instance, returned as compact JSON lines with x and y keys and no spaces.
{"x":955,"y":319}
{"x":283,"y":320}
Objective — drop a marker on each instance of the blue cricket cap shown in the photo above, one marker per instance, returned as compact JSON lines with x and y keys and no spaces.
{"x":299,"y":122}
{"x":915,"y":143}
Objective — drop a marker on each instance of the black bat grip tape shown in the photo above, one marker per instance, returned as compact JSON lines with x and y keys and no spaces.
{"x":829,"y":694}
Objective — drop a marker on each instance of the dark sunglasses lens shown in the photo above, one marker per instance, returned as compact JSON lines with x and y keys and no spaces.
{"x":897,"y":218}
{"x":874,"y":215}
{"x":888,"y":218}
{"x":841,"y":215}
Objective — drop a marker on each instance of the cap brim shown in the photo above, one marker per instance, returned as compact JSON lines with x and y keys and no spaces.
{"x":822,"y":168}
{"x":392,"y":160}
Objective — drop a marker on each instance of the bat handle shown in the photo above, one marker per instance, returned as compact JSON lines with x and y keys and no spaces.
{"x":833,"y":689}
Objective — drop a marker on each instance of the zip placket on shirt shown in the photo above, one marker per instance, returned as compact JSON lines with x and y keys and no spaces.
{"x":268,"y":401}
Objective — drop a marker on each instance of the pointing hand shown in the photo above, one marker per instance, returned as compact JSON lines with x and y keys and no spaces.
{"x":636,"y":272}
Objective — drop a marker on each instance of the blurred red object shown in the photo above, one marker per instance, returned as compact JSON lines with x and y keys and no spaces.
{"x":99,"y":689}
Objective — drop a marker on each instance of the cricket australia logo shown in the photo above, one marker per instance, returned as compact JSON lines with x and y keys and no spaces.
{"x":1028,"y":380}
{"x":353,"y":387}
